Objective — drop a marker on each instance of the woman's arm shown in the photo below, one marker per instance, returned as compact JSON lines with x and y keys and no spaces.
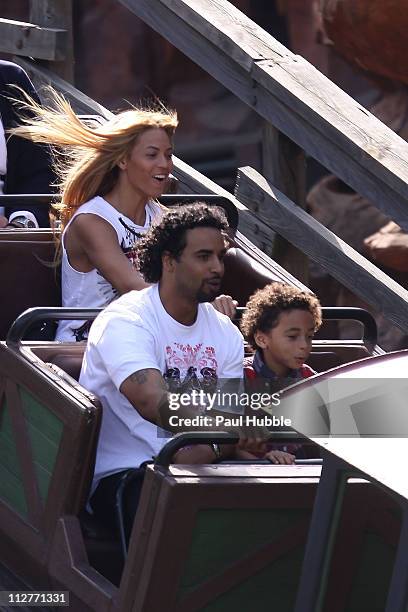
{"x":91,"y":242}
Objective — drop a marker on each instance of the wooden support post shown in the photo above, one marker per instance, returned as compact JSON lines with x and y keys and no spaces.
{"x":283,"y":164}
{"x":56,"y":14}
{"x":333,"y":254}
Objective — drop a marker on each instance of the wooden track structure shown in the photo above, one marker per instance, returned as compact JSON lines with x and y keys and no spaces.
{"x":304,"y":113}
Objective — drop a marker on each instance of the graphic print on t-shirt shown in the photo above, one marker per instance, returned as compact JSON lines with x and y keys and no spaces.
{"x":190,"y":367}
{"x":128,"y":244}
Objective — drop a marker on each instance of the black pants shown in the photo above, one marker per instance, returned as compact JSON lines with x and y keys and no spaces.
{"x":104,"y":502}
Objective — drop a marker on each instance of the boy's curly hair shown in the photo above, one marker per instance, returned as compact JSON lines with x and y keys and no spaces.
{"x":265,"y":306}
{"x":169,"y":235}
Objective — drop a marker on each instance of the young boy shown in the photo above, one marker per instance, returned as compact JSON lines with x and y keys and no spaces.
{"x":280,"y":322}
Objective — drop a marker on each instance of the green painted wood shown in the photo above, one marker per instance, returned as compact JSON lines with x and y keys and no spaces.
{"x":11,"y":484}
{"x":12,"y":491}
{"x":273,"y":588}
{"x":221,"y":537}
{"x":45,"y":432}
{"x":39,"y":416}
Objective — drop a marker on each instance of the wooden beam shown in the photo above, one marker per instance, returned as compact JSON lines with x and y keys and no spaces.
{"x":284,"y":165}
{"x":19,"y":38}
{"x":338,"y":258}
{"x":288,"y":92}
{"x":57,"y":14}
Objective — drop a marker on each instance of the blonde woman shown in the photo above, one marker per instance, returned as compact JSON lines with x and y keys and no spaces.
{"x":110,"y":176}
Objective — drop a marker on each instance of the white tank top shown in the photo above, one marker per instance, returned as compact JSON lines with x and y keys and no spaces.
{"x":91,"y":289}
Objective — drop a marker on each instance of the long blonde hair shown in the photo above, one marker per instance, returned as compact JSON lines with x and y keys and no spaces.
{"x":86,"y":157}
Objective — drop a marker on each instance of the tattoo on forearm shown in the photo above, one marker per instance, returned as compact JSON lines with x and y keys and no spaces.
{"x":139,"y":377}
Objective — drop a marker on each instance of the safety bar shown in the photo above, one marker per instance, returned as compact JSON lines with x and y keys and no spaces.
{"x":341,"y":313}
{"x":165,"y":456}
{"x":35,"y":315}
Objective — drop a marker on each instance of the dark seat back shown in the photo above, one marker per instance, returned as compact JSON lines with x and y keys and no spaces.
{"x":28,"y":275}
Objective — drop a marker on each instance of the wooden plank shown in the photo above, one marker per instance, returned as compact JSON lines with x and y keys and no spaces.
{"x":287,"y":91}
{"x":324,"y":247}
{"x":20,"y":38}
{"x":243,"y":41}
{"x":284,"y":165}
{"x":57,"y":14}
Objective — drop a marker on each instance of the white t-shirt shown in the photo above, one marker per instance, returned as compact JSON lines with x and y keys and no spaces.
{"x":134,"y":333}
{"x":91,"y":289}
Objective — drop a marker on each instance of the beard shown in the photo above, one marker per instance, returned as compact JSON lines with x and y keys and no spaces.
{"x":206,"y":294}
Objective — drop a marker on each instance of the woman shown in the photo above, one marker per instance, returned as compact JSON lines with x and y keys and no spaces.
{"x":110,"y":176}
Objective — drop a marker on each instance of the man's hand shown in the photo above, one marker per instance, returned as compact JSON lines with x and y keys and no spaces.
{"x":226,"y":305}
{"x":3,"y":221}
{"x":252,"y":443}
{"x":280,"y":457}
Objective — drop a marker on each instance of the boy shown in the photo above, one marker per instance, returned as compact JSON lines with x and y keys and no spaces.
{"x":280,"y":322}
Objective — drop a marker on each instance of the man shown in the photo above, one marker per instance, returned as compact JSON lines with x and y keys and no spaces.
{"x":25,"y":167}
{"x":165,"y":333}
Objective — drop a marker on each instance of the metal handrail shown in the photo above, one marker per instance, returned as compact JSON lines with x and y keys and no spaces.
{"x":35,"y":315}
{"x":164,"y":458}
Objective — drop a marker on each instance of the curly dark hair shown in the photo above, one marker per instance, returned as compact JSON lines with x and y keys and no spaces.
{"x":169,"y":235}
{"x":265,"y":306}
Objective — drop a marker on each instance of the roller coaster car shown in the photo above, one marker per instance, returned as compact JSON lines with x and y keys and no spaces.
{"x":215,"y":537}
